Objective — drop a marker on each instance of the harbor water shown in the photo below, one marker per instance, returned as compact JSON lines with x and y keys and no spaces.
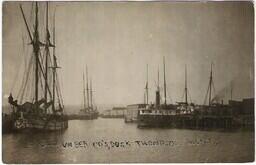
{"x":114,"y":141}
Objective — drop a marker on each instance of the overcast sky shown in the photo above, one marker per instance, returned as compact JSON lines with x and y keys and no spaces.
{"x":118,"y":39}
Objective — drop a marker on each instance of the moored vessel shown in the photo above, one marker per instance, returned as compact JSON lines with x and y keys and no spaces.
{"x":89,"y":111}
{"x":184,"y":115}
{"x":44,"y":111}
{"x":157,"y":115}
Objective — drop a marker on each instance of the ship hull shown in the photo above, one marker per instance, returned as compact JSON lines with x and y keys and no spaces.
{"x":7,"y":123}
{"x":112,"y":116}
{"x":91,"y":115}
{"x":155,"y":121}
{"x":42,"y":123}
{"x":48,"y":126}
{"x":186,"y":121}
{"x":82,"y":117}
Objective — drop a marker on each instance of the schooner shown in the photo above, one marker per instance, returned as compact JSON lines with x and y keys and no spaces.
{"x":89,"y":111}
{"x":45,"y":110}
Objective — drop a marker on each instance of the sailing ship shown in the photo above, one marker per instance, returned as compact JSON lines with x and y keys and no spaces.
{"x":215,"y":104}
{"x":45,"y":110}
{"x":89,"y":111}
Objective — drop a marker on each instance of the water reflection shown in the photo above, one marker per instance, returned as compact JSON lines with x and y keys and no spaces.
{"x":190,"y":145}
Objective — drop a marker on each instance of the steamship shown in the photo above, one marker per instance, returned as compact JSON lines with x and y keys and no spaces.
{"x":157,"y":115}
{"x":182,"y":114}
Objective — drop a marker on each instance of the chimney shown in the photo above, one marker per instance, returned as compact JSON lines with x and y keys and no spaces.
{"x":157,"y":98}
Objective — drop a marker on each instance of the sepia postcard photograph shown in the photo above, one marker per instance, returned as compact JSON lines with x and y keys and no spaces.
{"x":127,"y":82}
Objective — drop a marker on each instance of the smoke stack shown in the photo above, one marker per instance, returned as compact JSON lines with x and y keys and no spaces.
{"x":157,"y":98}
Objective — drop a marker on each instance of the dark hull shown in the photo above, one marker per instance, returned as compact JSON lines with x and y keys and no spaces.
{"x":112,"y":116}
{"x":7,"y":123}
{"x":155,"y":121}
{"x":185,"y":121}
{"x":37,"y":123}
{"x":83,"y":116}
{"x":48,"y":125}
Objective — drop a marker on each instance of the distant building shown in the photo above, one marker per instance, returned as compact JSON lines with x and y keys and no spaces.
{"x":248,"y":106}
{"x":115,"y":112}
{"x":132,"y":112}
{"x":244,"y":107}
{"x":236,"y":107}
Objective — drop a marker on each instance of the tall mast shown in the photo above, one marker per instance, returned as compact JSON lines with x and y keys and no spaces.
{"x":47,"y":53}
{"x":87,"y":89}
{"x":24,"y":18}
{"x":36,"y":46}
{"x":84,"y":92}
{"x":91,"y":93}
{"x":158,"y":86}
{"x":157,"y":104}
{"x":186,"y":89}
{"x":147,"y":87}
{"x":144,"y":98}
{"x":158,"y":91}
{"x":54,"y":67}
{"x":36,"y":50}
{"x":210,"y":87}
{"x":231,"y":91}
{"x":164,"y":83}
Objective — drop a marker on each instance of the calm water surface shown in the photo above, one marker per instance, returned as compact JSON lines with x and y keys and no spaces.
{"x":181,"y":145}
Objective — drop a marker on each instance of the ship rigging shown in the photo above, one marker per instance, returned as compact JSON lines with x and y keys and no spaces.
{"x":40,"y":112}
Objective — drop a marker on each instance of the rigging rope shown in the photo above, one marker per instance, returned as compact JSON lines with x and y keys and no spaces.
{"x":183,"y":95}
{"x":191,"y":101}
{"x":28,"y":83}
{"x":59,"y":91}
{"x":213,"y":89}
{"x":23,"y":77}
{"x":17,"y":73}
{"x":32,"y":85}
{"x":168,"y":96}
{"x":205,"y":99}
{"x":26,"y":78}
